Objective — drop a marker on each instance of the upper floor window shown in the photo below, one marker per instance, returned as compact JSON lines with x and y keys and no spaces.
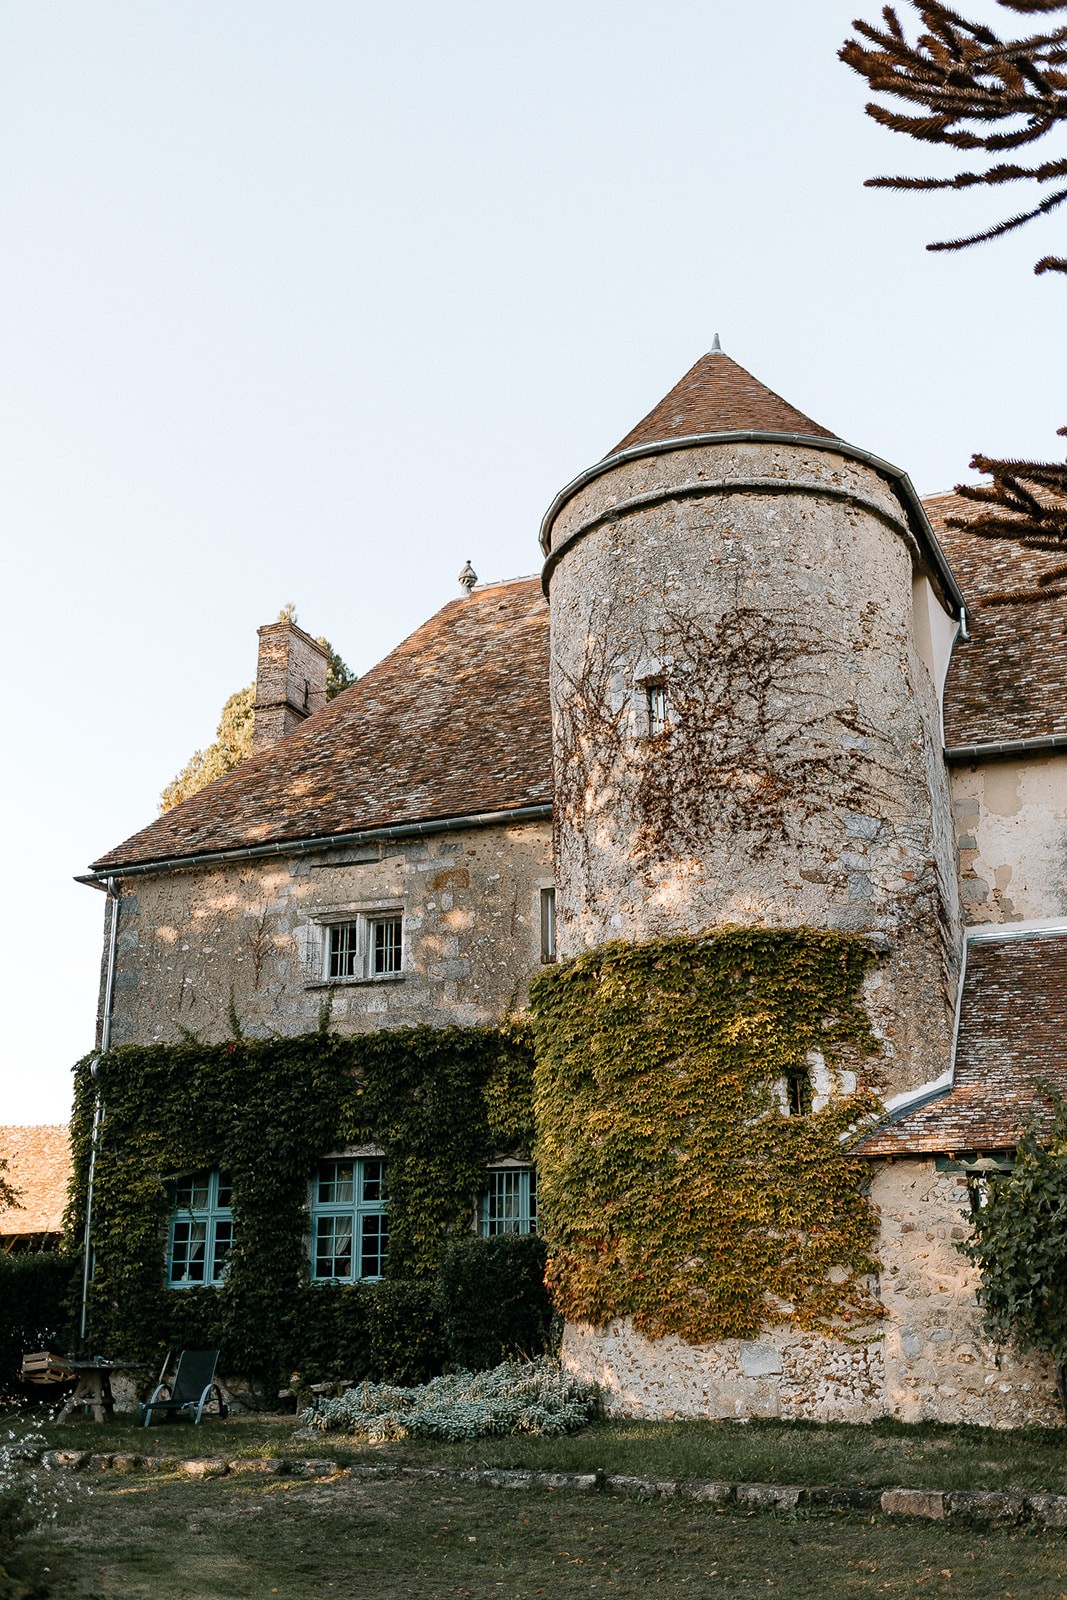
{"x":349,"y":1226}
{"x":369,"y":947}
{"x":655,"y":708}
{"x":509,"y":1204}
{"x":201,"y":1229}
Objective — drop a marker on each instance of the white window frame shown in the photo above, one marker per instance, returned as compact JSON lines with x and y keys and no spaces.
{"x":364,"y":1210}
{"x":209,"y":1225}
{"x":362,"y":952}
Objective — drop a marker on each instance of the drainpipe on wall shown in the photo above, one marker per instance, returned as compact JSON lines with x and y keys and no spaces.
{"x":98,"y":1108}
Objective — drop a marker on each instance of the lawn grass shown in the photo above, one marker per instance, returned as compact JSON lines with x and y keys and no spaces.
{"x":876,"y":1455}
{"x":163,"y":1538}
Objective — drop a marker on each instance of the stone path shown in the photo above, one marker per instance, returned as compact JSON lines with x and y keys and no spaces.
{"x":988,"y":1508}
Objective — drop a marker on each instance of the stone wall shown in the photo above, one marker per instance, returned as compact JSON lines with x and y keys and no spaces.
{"x":470,"y":901}
{"x":1011,"y":822}
{"x":797,"y":777}
{"x":927,"y":1361}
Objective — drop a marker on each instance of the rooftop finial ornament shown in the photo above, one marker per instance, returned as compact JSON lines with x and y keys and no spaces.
{"x":467,"y":579}
{"x":716,"y":346}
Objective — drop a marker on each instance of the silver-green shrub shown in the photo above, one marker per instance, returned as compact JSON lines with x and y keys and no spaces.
{"x":516,"y":1397}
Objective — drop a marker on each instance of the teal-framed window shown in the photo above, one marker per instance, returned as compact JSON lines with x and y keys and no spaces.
{"x":201,"y":1229}
{"x":509,"y":1202}
{"x":349,"y":1224}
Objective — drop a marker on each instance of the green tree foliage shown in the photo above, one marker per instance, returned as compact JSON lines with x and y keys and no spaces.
{"x":233,"y":737}
{"x":233,"y":744}
{"x":965,"y":87}
{"x":1019,"y":1245}
{"x":9,"y":1195}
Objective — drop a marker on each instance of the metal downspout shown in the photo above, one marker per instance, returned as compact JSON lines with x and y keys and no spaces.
{"x":98,"y":1109}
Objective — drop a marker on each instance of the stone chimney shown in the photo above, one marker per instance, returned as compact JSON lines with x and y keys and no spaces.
{"x":290,"y":682}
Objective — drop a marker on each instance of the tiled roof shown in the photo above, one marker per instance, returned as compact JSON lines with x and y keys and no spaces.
{"x":1012,"y":1037}
{"x":38,"y":1166}
{"x":718,"y":396}
{"x":1010,"y":681}
{"x":453,"y":722}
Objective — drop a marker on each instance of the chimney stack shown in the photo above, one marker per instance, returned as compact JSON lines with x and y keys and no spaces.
{"x":290,"y":682}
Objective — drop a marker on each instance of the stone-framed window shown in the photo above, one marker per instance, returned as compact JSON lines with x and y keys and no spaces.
{"x":370,"y":945}
{"x":548,"y":925}
{"x":201,"y":1229}
{"x":349,"y":1224}
{"x":655,"y":707}
{"x":509,"y":1201}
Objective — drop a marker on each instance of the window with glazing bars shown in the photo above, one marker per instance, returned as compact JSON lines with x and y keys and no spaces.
{"x":349,"y":1227}
{"x":509,"y":1204}
{"x":201,"y":1230}
{"x":370,"y":947}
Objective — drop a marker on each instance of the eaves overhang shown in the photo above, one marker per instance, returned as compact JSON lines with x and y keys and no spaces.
{"x":918,"y":522}
{"x":98,"y":879}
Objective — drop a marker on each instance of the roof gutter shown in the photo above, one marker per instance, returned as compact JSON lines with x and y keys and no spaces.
{"x":905,"y":489}
{"x":326,"y":841}
{"x":961,"y":754}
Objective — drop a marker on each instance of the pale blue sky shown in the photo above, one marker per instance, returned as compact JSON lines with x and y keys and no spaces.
{"x":315,"y":301}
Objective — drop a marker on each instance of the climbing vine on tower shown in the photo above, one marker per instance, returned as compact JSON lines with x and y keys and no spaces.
{"x":679,"y":1190}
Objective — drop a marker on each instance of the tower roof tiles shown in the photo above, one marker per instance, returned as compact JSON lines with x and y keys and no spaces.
{"x":718,"y":396}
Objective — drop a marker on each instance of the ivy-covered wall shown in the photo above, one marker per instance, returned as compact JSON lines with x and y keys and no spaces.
{"x":438,"y":1102}
{"x":676,"y":1187}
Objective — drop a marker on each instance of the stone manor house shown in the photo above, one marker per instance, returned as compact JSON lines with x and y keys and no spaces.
{"x":882,"y":701}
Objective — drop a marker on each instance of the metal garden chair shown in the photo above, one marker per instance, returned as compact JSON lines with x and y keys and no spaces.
{"x":191,"y":1389}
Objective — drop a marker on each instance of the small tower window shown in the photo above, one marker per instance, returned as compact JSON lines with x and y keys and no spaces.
{"x":655,"y":708}
{"x":797,"y":1094}
{"x":548,"y":925}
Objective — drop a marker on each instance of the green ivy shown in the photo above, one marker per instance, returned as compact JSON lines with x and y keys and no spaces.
{"x":675,"y":1187}
{"x":435,"y":1100}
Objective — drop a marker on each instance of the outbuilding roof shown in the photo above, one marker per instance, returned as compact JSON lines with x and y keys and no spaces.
{"x":454,"y":722}
{"x":38,"y":1167}
{"x":1012,"y":1042}
{"x":1009,"y":681}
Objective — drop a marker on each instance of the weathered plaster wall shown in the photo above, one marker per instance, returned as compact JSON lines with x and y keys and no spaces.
{"x":471,"y":906}
{"x":926,"y":1361}
{"x":799,"y":778}
{"x":937,"y":1363}
{"x":1011,"y":821}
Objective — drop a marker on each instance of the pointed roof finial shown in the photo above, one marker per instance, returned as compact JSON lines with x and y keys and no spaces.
{"x":716,"y":346}
{"x":467,"y":579}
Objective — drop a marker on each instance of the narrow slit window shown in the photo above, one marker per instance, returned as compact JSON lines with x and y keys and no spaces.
{"x":797,"y":1094}
{"x":655,"y":708}
{"x":548,"y":925}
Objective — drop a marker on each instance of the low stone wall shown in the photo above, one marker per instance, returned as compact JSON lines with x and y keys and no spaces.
{"x":927,"y":1361}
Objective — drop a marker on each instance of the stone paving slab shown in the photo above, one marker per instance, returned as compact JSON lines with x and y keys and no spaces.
{"x":988,"y":1508}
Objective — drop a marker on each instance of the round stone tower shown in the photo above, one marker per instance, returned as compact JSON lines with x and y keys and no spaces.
{"x":751,"y":623}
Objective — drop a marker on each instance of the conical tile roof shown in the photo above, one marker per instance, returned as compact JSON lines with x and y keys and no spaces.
{"x":718,"y":396}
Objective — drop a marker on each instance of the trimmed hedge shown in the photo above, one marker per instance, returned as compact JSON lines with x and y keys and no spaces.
{"x":492,"y":1300}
